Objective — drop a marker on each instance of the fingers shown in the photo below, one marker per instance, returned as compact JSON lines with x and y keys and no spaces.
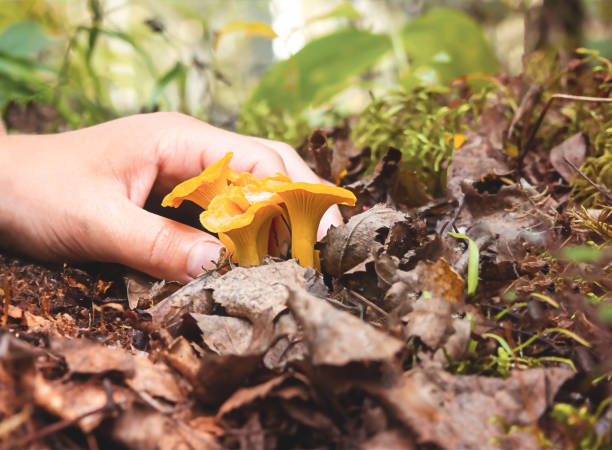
{"x":297,"y":168}
{"x":186,"y":146}
{"x":331,"y":217}
{"x":156,"y":245}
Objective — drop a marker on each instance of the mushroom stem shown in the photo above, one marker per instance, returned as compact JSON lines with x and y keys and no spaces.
{"x":303,"y":239}
{"x":246,"y":250}
{"x":263,"y":238}
{"x":305,"y":213}
{"x":306,"y":203}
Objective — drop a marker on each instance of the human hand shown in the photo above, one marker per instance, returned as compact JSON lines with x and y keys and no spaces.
{"x":78,"y":196}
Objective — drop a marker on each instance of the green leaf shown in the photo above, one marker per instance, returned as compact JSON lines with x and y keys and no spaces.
{"x":344,"y":10}
{"x":320,"y":70}
{"x":569,"y":334}
{"x":445,"y":44}
{"x":473,"y":261}
{"x":178,"y":73}
{"x":501,"y":341}
{"x":24,"y":39}
{"x":546,"y":299}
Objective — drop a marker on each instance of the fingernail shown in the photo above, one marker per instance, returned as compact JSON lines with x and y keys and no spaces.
{"x":203,"y":255}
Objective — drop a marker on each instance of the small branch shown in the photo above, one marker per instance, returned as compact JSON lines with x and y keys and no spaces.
{"x":367,"y":302}
{"x":599,"y":189}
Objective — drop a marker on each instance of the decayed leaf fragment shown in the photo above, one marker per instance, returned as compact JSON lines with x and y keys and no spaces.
{"x":70,"y":400}
{"x":337,"y":338}
{"x":456,"y":411}
{"x":248,"y":292}
{"x":573,"y":149}
{"x":438,"y":278}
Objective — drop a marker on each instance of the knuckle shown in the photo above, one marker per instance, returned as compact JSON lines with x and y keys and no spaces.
{"x":285,"y":148}
{"x":161,"y":245}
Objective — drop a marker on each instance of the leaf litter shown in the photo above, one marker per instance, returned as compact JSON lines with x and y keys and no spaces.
{"x":385,"y":349}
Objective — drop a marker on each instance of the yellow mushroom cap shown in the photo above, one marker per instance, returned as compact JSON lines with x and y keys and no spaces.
{"x":256,"y":190}
{"x":306,"y":203}
{"x":203,"y":188}
{"x":247,"y":229}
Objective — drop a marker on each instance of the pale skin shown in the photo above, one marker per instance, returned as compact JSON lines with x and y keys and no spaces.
{"x":79,"y":195}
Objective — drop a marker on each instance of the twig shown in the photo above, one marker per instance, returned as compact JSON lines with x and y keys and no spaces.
{"x":599,"y":189}
{"x":576,"y":98}
{"x":367,"y":302}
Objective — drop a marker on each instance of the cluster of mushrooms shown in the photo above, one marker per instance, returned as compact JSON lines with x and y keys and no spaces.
{"x":240,"y":209}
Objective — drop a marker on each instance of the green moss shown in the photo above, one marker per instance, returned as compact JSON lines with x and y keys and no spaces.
{"x":421,"y":125}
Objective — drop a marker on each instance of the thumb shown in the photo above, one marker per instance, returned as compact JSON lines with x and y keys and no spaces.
{"x":158,"y":246}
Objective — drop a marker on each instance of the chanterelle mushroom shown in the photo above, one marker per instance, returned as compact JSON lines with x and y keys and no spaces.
{"x":203,"y":188}
{"x":306,"y":203}
{"x":246,"y":225}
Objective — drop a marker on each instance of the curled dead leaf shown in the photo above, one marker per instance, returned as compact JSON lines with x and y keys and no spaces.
{"x":347,"y":245}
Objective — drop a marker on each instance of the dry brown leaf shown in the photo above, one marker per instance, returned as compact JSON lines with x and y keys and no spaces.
{"x":456,"y":411}
{"x":193,"y":297}
{"x":483,"y":151}
{"x":182,"y":357}
{"x":347,"y":245}
{"x":143,"y":290}
{"x":393,"y":439}
{"x":248,"y":292}
{"x":71,"y":399}
{"x":250,"y":394}
{"x":141,"y":427}
{"x":336,"y":337}
{"x":508,"y":219}
{"x":84,"y":356}
{"x":225,"y":335}
{"x":220,"y":375}
{"x":288,"y":346}
{"x":575,"y":150}
{"x":438,"y":278}
{"x":156,"y":380}
{"x":428,"y":326}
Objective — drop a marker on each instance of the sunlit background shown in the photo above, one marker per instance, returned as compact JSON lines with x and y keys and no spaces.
{"x":93,"y":60}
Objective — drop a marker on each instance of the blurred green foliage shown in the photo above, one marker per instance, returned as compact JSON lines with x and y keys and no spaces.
{"x":581,"y":425}
{"x":258,"y":120}
{"x":321,"y":69}
{"x":443,"y":45}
